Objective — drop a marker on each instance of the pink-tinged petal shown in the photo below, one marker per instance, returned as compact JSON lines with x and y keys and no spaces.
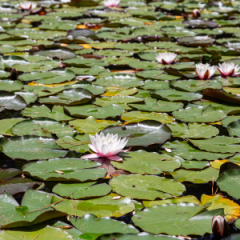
{"x":92,"y":148}
{"x":115,"y":158}
{"x":88,"y":156}
{"x":126,"y":150}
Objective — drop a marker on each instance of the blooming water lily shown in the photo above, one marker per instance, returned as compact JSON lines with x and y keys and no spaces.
{"x":111,"y":3}
{"x":205,"y":71}
{"x":106,"y":146}
{"x":27,"y":5}
{"x":166,"y":57}
{"x":228,"y":69}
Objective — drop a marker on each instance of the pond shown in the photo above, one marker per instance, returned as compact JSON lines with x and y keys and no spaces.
{"x":119,"y":120}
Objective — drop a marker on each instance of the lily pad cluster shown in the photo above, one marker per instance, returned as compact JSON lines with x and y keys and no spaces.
{"x":70,"y":69}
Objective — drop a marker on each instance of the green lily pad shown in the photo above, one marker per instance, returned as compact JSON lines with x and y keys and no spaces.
{"x":91,"y":225}
{"x":41,"y":234}
{"x":72,"y":96}
{"x":106,"y":206}
{"x":196,"y":113}
{"x":177,"y":219}
{"x":57,"y":113}
{"x":155,"y":84}
{"x":94,"y":89}
{"x":228,"y":181}
{"x":226,"y":108}
{"x":137,"y":116}
{"x":140,"y":236}
{"x":17,"y":185}
{"x":8,"y":173}
{"x":14,"y":215}
{"x":94,"y":111}
{"x":7,"y":124}
{"x":193,"y":130}
{"x":31,"y":148}
{"x":67,"y":169}
{"x":78,"y":143}
{"x":196,"y":85}
{"x":156,"y":75}
{"x":175,"y":95}
{"x":119,"y":80}
{"x":150,"y":163}
{"x":202,"y":176}
{"x":229,"y":120}
{"x":27,"y":96}
{"x":91,"y":125}
{"x":58,"y":52}
{"x":50,"y":77}
{"x":118,"y":100}
{"x":186,"y":151}
{"x":11,"y":102}
{"x":146,"y":186}
{"x":42,"y":127}
{"x":234,"y":129}
{"x":82,"y":190}
{"x":142,"y":133}
{"x":221,"y":144}
{"x":10,"y":86}
{"x":157,"y":106}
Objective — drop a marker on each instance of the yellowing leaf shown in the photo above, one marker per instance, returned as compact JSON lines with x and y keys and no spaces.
{"x":85,"y":46}
{"x":218,"y":163}
{"x":231,"y":209}
{"x":52,"y":85}
{"x":81,"y":26}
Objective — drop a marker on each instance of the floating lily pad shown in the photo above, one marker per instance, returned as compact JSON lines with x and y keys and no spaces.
{"x":78,"y":143}
{"x":57,"y":113}
{"x":152,"y":132}
{"x":10,"y":86}
{"x":11,"y":102}
{"x":26,"y":215}
{"x":157,"y":106}
{"x":186,"y":151}
{"x":194,"y":113}
{"x":67,"y":169}
{"x":167,"y":219}
{"x":91,"y":225}
{"x":196,"y":85}
{"x":193,"y":130}
{"x":72,"y":96}
{"x":41,"y":234}
{"x":137,"y":116}
{"x":175,"y":95}
{"x":221,"y":144}
{"x":91,"y":126}
{"x":146,"y":186}
{"x":101,"y":207}
{"x":7,"y":124}
{"x":228,"y":182}
{"x":82,"y":190}
{"x":31,"y":148}
{"x":50,"y":77}
{"x":18,"y":185}
{"x":42,"y":127}
{"x":94,"y":111}
{"x":150,"y":163}
{"x":202,"y":176}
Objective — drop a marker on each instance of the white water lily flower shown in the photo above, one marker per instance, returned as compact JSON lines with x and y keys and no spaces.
{"x":166,"y":57}
{"x":27,"y":5}
{"x":111,"y":3}
{"x":205,"y":71}
{"x":228,"y":69}
{"x":106,"y":146}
